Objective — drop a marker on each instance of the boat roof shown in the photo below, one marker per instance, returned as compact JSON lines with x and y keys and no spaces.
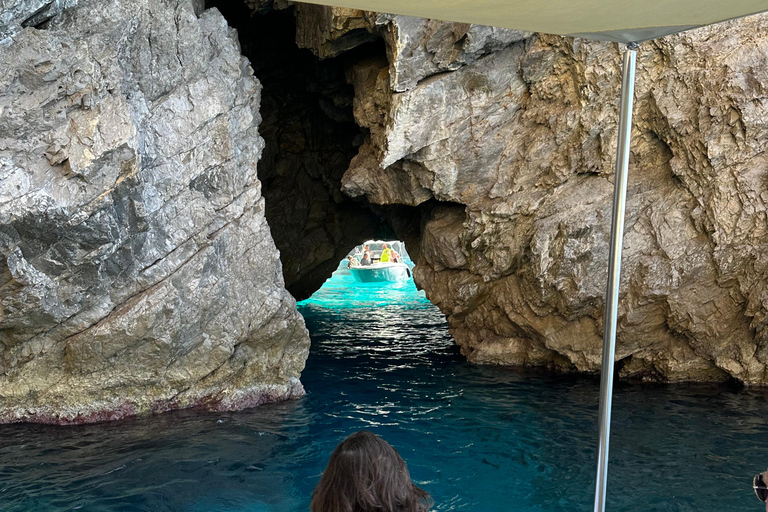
{"x":390,"y":242}
{"x":398,"y":246}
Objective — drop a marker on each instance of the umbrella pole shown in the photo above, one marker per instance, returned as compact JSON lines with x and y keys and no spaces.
{"x":614,"y":270}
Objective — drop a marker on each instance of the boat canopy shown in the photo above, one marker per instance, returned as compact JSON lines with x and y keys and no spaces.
{"x":376,"y":247}
{"x":622,"y":21}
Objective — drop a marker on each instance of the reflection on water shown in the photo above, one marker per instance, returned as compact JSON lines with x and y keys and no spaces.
{"x":177,"y":461}
{"x":477,"y":438}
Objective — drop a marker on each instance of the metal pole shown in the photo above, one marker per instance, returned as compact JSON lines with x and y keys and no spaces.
{"x":614,"y":270}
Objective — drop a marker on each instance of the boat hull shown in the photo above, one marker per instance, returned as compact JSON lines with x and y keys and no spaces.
{"x":381,"y":273}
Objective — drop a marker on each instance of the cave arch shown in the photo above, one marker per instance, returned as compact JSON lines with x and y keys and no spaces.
{"x":311,"y":137}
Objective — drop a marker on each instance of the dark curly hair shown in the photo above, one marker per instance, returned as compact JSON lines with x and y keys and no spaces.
{"x":366,"y":474}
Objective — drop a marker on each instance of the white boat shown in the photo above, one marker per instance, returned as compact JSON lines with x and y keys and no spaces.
{"x":380,"y":272}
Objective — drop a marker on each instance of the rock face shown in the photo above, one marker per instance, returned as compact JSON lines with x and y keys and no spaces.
{"x":137,"y":272}
{"x":510,"y":137}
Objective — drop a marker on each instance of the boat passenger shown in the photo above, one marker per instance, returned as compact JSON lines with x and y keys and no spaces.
{"x":760,"y":486}
{"x":366,"y":259}
{"x":352,"y":261}
{"x":385,"y":254}
{"x":395,"y":256}
{"x":366,"y":474}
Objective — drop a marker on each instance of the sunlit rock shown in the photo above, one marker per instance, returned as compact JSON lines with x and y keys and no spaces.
{"x":138,"y":271}
{"x":520,"y":139}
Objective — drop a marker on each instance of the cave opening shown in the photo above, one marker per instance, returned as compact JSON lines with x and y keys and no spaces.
{"x":310,"y":138}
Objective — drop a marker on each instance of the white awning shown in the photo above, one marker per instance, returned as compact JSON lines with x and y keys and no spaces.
{"x":622,"y":21}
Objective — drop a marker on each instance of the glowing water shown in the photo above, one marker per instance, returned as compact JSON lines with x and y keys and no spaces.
{"x":478,"y":438}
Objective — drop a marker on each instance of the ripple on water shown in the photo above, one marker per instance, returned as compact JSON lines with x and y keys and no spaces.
{"x":477,"y":438}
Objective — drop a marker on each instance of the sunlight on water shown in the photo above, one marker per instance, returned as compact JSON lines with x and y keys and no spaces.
{"x":479,"y":439}
{"x":341,"y":291}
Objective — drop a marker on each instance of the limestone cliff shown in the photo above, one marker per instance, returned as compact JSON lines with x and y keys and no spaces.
{"x":137,"y":272}
{"x":510,"y":138}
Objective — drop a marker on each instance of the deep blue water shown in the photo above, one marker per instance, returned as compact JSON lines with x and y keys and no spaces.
{"x":477,"y":438}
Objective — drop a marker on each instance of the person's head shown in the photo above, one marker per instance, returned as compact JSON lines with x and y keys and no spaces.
{"x":760,"y":486}
{"x":366,"y":474}
{"x":383,"y":246}
{"x":365,"y":248}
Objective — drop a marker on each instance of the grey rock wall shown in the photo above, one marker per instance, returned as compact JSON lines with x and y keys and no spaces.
{"x":17,"y":14}
{"x":137,"y":272}
{"x":514,"y":136}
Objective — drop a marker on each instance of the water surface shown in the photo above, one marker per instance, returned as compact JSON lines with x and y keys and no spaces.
{"x":477,"y":438}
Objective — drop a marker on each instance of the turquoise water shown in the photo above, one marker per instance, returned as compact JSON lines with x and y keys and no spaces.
{"x":477,"y":438}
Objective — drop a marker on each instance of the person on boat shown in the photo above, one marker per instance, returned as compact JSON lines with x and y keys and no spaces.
{"x":395,"y":256}
{"x":353,"y":261}
{"x":366,"y":474}
{"x":385,"y":254}
{"x":760,"y":486}
{"x":366,"y":259}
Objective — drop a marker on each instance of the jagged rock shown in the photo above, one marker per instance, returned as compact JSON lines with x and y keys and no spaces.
{"x":416,"y":47}
{"x":330,"y":31}
{"x":138,"y":272}
{"x":519,"y":142}
{"x":310,"y":136}
{"x":17,"y":14}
